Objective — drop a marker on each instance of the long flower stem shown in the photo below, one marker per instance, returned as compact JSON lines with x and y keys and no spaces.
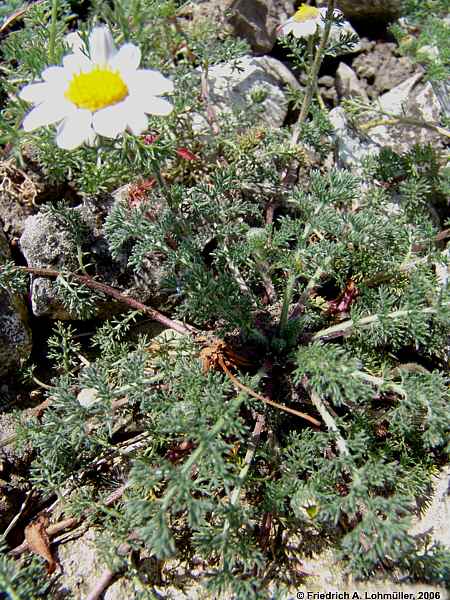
{"x":52,"y":37}
{"x":387,"y":118}
{"x":312,"y":284}
{"x":395,"y":120}
{"x":288,"y":293}
{"x":345,"y":328}
{"x":380,"y":382}
{"x":329,"y":422}
{"x":314,"y":72}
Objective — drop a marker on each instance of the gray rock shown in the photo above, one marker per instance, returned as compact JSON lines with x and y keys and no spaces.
{"x":369,"y":9}
{"x":230,"y":87}
{"x":17,"y":193}
{"x":381,"y":69}
{"x":14,"y":462}
{"x":82,"y":568}
{"x":442,"y":92}
{"x":15,"y":334}
{"x":257,"y":21}
{"x":326,"y":80}
{"x":437,"y":516}
{"x":12,"y":495}
{"x":395,"y":101}
{"x":350,"y":147}
{"x":413,"y":99}
{"x":348,"y":84}
{"x":46,"y":244}
{"x":329,"y":94}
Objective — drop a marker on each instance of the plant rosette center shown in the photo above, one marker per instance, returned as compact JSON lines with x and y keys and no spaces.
{"x":96,"y":89}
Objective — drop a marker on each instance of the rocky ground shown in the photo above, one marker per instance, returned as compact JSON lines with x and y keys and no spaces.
{"x":374,"y":72}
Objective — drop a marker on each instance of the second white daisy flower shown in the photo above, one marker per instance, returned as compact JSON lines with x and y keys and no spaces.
{"x":306,"y":21}
{"x":104,"y":93}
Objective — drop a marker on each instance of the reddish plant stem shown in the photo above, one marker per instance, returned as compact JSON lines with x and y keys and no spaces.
{"x":119,"y":296}
{"x":210,"y":112}
{"x":241,"y":386}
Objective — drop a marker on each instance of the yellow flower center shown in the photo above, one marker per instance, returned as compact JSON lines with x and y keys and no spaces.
{"x":305,"y":13}
{"x":94,"y":90}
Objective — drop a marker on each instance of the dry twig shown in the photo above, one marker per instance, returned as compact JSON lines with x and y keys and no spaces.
{"x":119,"y":296}
{"x":243,"y":387}
{"x":69,"y":523}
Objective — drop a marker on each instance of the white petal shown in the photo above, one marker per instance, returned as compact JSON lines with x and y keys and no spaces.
{"x":47,"y":113}
{"x":156,"y":106}
{"x":147,"y":81}
{"x":56,"y":75}
{"x":74,"y":63}
{"x":287,"y":27}
{"x":35,"y":92}
{"x":111,"y":121}
{"x":127,"y":58}
{"x":101,"y":46}
{"x":137,"y":122}
{"x":306,"y":28}
{"x":75,"y":130}
{"x":74,"y":41}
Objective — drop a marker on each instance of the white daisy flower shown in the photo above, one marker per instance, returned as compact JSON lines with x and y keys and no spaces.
{"x":103,"y":94}
{"x":306,"y":21}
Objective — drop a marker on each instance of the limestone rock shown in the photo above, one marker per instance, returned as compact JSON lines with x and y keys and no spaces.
{"x":253,"y":20}
{"x":257,"y":21}
{"x":395,"y":101}
{"x":411,"y":98}
{"x":348,"y":84}
{"x":380,"y":69}
{"x":45,"y":243}
{"x":383,"y":10}
{"x":15,"y":334}
{"x":82,"y":569}
{"x":437,"y":516}
{"x":12,"y":495}
{"x":17,"y":193}
{"x":350,"y":148}
{"x":230,"y":87}
{"x":16,"y":458}
{"x":326,"y":81}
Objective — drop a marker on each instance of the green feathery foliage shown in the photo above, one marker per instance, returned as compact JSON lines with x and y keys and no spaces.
{"x":334,"y":309}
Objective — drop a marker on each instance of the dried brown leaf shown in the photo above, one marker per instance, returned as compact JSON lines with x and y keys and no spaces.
{"x":39,"y":542}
